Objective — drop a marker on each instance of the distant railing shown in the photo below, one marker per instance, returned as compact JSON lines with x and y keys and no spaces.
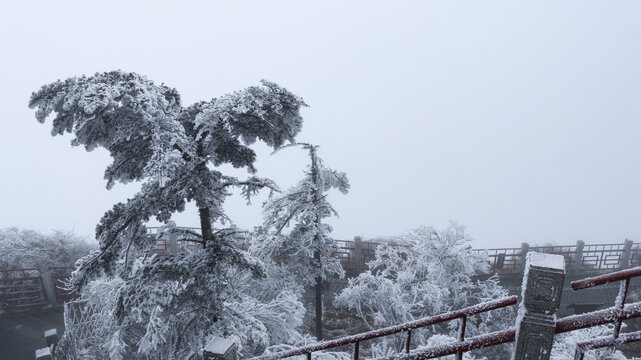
{"x":31,"y":288}
{"x":21,"y":288}
{"x":579,"y":258}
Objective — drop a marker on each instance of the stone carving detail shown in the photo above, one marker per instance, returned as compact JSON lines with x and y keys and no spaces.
{"x":541,"y":298}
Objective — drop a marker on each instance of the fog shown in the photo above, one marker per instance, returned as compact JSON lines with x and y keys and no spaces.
{"x":521,"y":121}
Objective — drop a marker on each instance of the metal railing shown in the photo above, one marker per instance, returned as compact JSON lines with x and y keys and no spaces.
{"x":407,"y":327}
{"x":59,"y":275}
{"x":21,"y":288}
{"x":624,"y":277}
{"x":595,"y":258}
{"x":615,"y":315}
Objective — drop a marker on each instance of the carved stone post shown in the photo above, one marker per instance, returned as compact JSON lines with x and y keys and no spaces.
{"x":220,"y":349}
{"x":541,"y":297}
{"x":525,"y":248}
{"x":43,"y":354}
{"x":358,"y":255}
{"x":625,"y":257}
{"x":172,"y":244}
{"x":51,"y":337}
{"x":578,"y":257}
{"x":47,"y":283}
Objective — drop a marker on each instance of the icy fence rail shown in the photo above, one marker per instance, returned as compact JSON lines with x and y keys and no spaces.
{"x":546,"y":284}
{"x":33,"y":288}
{"x":355,"y":254}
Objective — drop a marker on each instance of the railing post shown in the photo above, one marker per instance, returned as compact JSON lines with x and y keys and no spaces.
{"x":540,"y":299}
{"x":220,"y":349}
{"x":578,"y":256}
{"x":43,"y":354}
{"x":172,"y":244}
{"x":47,"y":283}
{"x":525,"y":248}
{"x":625,"y":257}
{"x":358,"y":255}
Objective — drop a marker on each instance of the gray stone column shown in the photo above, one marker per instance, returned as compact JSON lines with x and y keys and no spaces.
{"x":43,"y":354}
{"x":358,"y":255}
{"x":172,"y":244}
{"x":540,"y":299}
{"x":525,"y":248}
{"x":625,"y":257}
{"x":47,"y":284}
{"x":578,"y":257}
{"x":220,"y":349}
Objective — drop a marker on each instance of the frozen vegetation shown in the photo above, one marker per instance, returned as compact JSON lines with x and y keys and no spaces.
{"x":144,"y":306}
{"x":22,"y":248}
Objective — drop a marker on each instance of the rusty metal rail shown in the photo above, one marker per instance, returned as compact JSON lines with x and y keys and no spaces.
{"x":59,"y":275}
{"x":407,"y":327}
{"x":624,"y":277}
{"x":20,"y":289}
{"x":615,"y":314}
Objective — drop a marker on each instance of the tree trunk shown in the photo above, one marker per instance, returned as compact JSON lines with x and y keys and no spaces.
{"x":319,"y":308}
{"x":205,"y":225}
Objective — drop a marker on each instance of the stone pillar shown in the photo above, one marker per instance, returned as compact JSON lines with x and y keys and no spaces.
{"x":578,"y":257}
{"x":172,"y":244}
{"x":51,"y":337}
{"x":47,"y":284}
{"x":220,"y":349}
{"x":540,"y":299}
{"x":525,"y":248}
{"x":625,"y":257}
{"x":43,"y":354}
{"x":358,"y":255}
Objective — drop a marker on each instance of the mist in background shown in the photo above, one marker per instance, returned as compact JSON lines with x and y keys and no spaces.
{"x":521,"y":121}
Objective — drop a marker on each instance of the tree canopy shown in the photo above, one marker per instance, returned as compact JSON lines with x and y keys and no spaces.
{"x":175,"y":301}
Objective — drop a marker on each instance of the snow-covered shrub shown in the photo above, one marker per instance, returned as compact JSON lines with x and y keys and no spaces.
{"x":431,"y":274}
{"x":23,"y":248}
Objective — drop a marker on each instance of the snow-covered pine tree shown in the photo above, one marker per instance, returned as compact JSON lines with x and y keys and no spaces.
{"x":308,"y":245}
{"x":168,"y":305}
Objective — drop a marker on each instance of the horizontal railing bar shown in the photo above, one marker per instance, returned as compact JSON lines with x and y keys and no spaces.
{"x":21,"y":269}
{"x":20,"y":278}
{"x":475,"y":309}
{"x":605,"y":341}
{"x":566,"y":324}
{"x":606,"y":278}
{"x":599,"y":317}
{"x":473,"y":343}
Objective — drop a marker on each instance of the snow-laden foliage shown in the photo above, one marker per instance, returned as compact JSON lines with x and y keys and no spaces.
{"x":433,"y":273}
{"x":254,"y":312}
{"x":305,"y":250}
{"x":565,"y":344}
{"x":168,"y":305}
{"x":22,"y":248}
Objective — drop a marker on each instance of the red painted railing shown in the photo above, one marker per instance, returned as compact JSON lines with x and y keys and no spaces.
{"x":21,"y":288}
{"x":407,"y":327}
{"x":615,"y":314}
{"x":624,"y":276}
{"x":59,"y":275}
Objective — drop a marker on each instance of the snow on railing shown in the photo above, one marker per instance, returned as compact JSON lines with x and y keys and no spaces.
{"x":615,"y":314}
{"x":624,"y":277}
{"x":407,"y":327}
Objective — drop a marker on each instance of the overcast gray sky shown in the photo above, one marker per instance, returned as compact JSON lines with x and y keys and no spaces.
{"x":520,"y":120}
